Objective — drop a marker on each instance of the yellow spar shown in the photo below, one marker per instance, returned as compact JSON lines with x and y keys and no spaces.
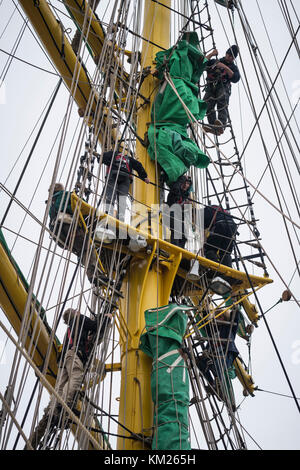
{"x":59,"y":49}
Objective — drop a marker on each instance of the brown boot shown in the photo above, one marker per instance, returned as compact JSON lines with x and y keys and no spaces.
{"x":219,"y":127}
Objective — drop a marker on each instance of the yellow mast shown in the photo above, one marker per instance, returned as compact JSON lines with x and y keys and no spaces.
{"x":145,"y":286}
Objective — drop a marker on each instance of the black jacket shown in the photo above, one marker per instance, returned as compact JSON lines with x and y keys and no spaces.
{"x":221,"y":226}
{"x":128,"y":164}
{"x":77,"y":336}
{"x":226,"y":331}
{"x":176,"y":194}
{"x":215,"y":74}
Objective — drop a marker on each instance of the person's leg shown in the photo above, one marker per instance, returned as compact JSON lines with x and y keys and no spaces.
{"x":91,"y":271}
{"x":111,"y":193}
{"x":225,"y":258}
{"x":219,"y":364}
{"x":64,"y":231}
{"x":210,"y":99}
{"x":172,"y":229}
{"x":123,"y":190}
{"x":182,"y":241}
{"x":75,"y":370}
{"x":204,"y":364}
{"x":177,"y":235}
{"x":62,"y":378}
{"x":222,"y":103}
{"x":225,"y":244}
{"x":222,"y":384}
{"x":211,"y":254}
{"x":40,"y":429}
{"x":230,"y":357}
{"x":105,"y":229}
{"x":83,"y":248}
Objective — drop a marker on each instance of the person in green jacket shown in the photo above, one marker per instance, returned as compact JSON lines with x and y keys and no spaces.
{"x":62,"y":227}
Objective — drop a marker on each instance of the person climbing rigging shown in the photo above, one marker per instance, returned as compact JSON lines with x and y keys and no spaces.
{"x":221,"y":234}
{"x":177,"y":200}
{"x":220,"y":351}
{"x":119,"y":177}
{"x":220,"y":74}
{"x":221,"y":231}
{"x":62,"y":227}
{"x":73,"y":357}
{"x":74,"y":354}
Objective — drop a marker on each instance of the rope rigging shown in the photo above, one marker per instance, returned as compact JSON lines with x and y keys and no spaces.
{"x":110,"y":120}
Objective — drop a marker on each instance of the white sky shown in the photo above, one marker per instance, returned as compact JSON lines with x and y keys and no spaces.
{"x":273,"y":421}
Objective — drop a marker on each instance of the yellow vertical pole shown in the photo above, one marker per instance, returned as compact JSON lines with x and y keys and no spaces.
{"x":157,"y":31}
{"x":144,"y":281}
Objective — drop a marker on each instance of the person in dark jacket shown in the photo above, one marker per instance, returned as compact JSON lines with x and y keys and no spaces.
{"x":220,"y":75}
{"x":61,"y":226}
{"x":120,"y":168}
{"x":221,"y":351}
{"x":73,"y":357}
{"x":222,"y":231}
{"x":74,"y":354}
{"x":177,"y":199}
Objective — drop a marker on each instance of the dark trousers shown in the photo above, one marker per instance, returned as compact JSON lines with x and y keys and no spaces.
{"x":212,"y":367}
{"x":177,"y":233}
{"x":217,"y":95}
{"x":80,"y":247}
{"x":219,"y":256}
{"x":117,"y":190}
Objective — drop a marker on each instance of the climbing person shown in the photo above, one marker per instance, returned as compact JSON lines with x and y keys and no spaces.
{"x":74,"y":354}
{"x":177,"y":200}
{"x":221,"y":231}
{"x":220,"y":74}
{"x":62,"y":229}
{"x":220,"y":351}
{"x":119,"y":177}
{"x":220,"y":236}
{"x":73,"y":357}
